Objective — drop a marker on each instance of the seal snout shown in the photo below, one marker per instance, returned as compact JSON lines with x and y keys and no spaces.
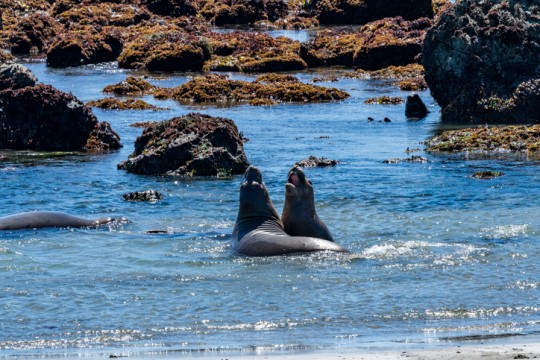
{"x":296,"y":177}
{"x":253,"y":174}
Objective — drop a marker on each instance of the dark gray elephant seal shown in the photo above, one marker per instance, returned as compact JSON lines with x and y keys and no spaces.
{"x":41,"y":219}
{"x":299,"y":216}
{"x":258,"y":230}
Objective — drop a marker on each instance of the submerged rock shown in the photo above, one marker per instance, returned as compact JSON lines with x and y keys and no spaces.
{"x":191,"y":145}
{"x":313,"y":161}
{"x":415,"y":159}
{"x":415,"y":107}
{"x":51,"y":120}
{"x":148,"y":195}
{"x":487,"y":174}
{"x":481,"y":61}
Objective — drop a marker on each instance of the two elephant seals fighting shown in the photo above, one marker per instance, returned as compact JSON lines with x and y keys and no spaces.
{"x":259,"y":231}
{"x":41,"y":219}
{"x":299,"y":216}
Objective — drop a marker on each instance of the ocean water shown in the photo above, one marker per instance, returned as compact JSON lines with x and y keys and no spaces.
{"x":437,"y":256}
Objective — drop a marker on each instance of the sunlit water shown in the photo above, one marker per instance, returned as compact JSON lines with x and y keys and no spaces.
{"x":436,"y":255}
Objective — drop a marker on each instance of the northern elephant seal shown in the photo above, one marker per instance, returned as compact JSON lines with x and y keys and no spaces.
{"x":299,"y":216}
{"x":259,"y":231}
{"x":41,"y":219}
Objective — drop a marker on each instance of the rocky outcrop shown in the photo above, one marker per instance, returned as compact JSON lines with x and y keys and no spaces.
{"x":313,"y":161}
{"x":364,"y":11}
{"x":51,"y":120}
{"x":14,"y":76}
{"x":222,"y":12}
{"x":117,"y":104}
{"x":33,"y":33}
{"x":171,"y":7}
{"x":165,"y":48}
{"x":191,"y":145}
{"x":376,"y":45}
{"x":415,"y":159}
{"x":481,"y":61}
{"x":81,"y":49}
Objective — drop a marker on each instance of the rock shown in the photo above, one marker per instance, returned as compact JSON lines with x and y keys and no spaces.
{"x":414,"y":84}
{"x":131,"y":86}
{"x":101,"y":14}
{"x":487,"y":139}
{"x":171,"y":7}
{"x":313,"y":161}
{"x":148,"y":195}
{"x":77,"y":49}
{"x":51,"y":120}
{"x":33,"y":33}
{"x":384,"y":100}
{"x":481,"y":61}
{"x":364,"y":11}
{"x":14,"y":76}
{"x":165,"y":48}
{"x":267,"y":89}
{"x":222,"y":12}
{"x":376,"y":45}
{"x":415,"y":107}
{"x":387,"y":120}
{"x":415,"y":159}
{"x":191,"y":145}
{"x":487,"y":175}
{"x":128,"y":104}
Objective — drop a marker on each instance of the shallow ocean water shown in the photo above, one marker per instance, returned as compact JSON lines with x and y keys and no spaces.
{"x":437,"y":256}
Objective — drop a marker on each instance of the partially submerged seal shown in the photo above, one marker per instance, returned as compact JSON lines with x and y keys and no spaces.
{"x":41,"y":219}
{"x":299,"y":216}
{"x":259,"y":231}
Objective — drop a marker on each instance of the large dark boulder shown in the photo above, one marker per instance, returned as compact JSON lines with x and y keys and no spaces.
{"x":482,"y":61}
{"x":364,"y":11}
{"x":41,"y":117}
{"x":14,"y":76}
{"x":81,"y":49}
{"x":191,"y":145}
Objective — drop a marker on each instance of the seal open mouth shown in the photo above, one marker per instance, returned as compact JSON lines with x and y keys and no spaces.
{"x":296,"y":177}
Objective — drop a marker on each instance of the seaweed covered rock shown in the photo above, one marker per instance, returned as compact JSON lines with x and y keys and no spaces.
{"x":364,"y":11}
{"x":481,"y":61}
{"x":171,"y":7}
{"x":313,"y":161}
{"x":376,"y":45}
{"x":487,"y":139}
{"x":165,"y":48}
{"x":222,"y":12}
{"x":51,"y":120}
{"x":117,"y":104}
{"x":75,"y":49}
{"x":33,"y":33}
{"x":148,"y":195}
{"x":102,"y":14}
{"x":14,"y":76}
{"x":267,"y":89}
{"x":191,"y":145}
{"x":253,"y":52}
{"x":131,"y":86}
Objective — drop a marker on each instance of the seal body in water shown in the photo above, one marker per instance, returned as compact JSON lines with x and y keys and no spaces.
{"x":259,"y":231}
{"x":41,"y":219}
{"x":299,"y":216}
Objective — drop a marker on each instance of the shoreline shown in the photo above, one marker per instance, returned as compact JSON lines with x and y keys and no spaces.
{"x":518,"y":347}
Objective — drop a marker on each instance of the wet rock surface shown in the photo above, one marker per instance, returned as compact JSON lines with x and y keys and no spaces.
{"x":481,"y":61}
{"x":140,"y":196}
{"x":313,"y":161}
{"x":487,"y":175}
{"x":415,"y":159}
{"x":51,"y":120}
{"x":487,"y":139}
{"x":191,"y":145}
{"x":14,"y":76}
{"x":117,"y":104}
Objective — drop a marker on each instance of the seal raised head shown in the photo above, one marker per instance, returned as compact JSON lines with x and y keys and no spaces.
{"x":41,"y":219}
{"x":259,"y":231}
{"x":299,"y":216}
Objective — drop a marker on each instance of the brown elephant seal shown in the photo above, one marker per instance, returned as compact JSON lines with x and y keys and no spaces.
{"x":259,"y":231}
{"x":299,"y":216}
{"x":41,"y":219}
